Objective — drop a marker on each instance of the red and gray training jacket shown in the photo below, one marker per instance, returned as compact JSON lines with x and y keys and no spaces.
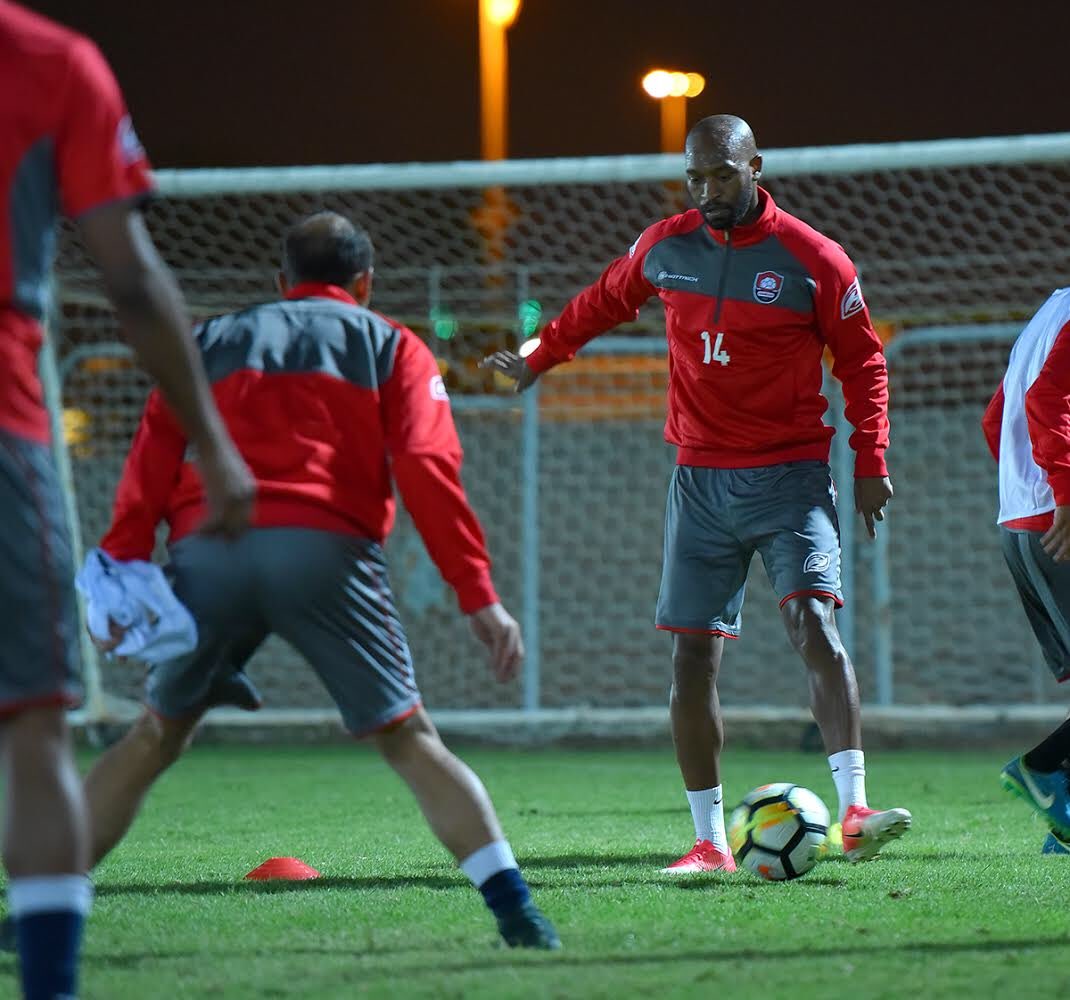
{"x":748,"y":315}
{"x":329,"y":404}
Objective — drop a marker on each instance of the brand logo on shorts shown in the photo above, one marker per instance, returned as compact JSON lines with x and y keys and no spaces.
{"x":817,"y":562}
{"x":767,"y":286}
{"x":852,"y":301}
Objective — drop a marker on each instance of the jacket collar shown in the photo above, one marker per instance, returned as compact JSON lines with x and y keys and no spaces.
{"x":756,"y":231}
{"x":319,"y":290}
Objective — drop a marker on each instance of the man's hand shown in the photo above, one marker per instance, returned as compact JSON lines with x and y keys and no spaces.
{"x":118,"y":633}
{"x":229,"y":489}
{"x":1056,"y":540}
{"x":513,"y":366}
{"x":871,"y":494}
{"x":499,"y":632}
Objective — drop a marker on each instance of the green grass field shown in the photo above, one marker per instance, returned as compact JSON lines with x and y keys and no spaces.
{"x":965,"y":905}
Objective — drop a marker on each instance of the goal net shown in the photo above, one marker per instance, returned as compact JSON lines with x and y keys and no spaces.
{"x":957,"y":243}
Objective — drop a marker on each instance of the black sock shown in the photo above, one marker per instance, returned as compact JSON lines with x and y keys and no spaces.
{"x":1049,"y":754}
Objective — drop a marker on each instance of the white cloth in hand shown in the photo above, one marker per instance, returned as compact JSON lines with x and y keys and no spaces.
{"x":136,"y":596}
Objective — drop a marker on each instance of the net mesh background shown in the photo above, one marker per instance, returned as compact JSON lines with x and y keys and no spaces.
{"x":462,"y":267}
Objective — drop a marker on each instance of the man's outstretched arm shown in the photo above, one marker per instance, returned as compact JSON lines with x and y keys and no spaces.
{"x":614,"y":298}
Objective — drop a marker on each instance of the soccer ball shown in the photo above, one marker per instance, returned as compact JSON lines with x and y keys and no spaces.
{"x":778,"y":831}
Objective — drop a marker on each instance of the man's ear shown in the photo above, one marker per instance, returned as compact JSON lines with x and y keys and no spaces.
{"x":756,"y":166}
{"x":361,"y":289}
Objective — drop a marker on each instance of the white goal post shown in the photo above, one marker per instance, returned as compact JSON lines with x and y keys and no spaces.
{"x":957,"y":242}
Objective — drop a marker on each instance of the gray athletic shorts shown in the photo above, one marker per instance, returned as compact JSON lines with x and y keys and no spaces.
{"x":39,"y":655}
{"x":716,"y":519}
{"x":326,"y":594}
{"x":1044,"y":587}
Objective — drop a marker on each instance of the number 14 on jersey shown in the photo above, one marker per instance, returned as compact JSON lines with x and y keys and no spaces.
{"x":713,"y":350}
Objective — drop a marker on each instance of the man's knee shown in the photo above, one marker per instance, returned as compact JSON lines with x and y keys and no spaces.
{"x":161,"y":740}
{"x":811,"y":626}
{"x":695,"y":658}
{"x":410,"y":738}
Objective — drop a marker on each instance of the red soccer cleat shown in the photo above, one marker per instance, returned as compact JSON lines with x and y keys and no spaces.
{"x":703,"y":857}
{"x":866,"y":831}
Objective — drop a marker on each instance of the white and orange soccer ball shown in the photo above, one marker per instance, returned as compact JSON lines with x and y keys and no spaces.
{"x":778,"y":831}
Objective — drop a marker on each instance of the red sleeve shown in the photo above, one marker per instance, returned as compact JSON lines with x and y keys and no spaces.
{"x":613,"y":299}
{"x":858,"y":360}
{"x":149,"y":476}
{"x":426,"y":456}
{"x":1047,"y":411}
{"x":992,"y":422}
{"x":98,"y":156}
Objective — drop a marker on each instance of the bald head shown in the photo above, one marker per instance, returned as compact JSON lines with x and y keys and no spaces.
{"x":723,"y":165}
{"x":326,"y":248}
{"x":726,"y":134}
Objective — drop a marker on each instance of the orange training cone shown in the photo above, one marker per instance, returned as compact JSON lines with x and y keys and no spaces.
{"x":289,"y":869}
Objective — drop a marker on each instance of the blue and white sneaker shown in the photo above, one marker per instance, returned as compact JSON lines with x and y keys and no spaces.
{"x":1048,"y":794}
{"x":1053,"y":845}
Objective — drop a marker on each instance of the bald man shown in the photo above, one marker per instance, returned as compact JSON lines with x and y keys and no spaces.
{"x":752,"y":298}
{"x":331,"y":405}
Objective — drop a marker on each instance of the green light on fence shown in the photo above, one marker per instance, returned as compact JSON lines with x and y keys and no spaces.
{"x":529,"y":313}
{"x":443,"y":323}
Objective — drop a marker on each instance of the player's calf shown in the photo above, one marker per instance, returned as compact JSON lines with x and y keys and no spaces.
{"x":460,"y":813}
{"x":117,"y":783}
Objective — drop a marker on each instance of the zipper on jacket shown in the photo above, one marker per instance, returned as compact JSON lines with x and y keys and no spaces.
{"x":724,"y":277}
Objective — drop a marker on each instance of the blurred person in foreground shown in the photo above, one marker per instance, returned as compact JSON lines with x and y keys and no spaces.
{"x":1027,"y":426}
{"x":331,"y":405}
{"x":752,"y":298}
{"x":66,"y":144}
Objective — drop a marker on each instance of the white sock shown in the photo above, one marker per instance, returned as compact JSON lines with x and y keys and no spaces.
{"x":849,"y":774}
{"x":49,"y":894}
{"x":707,"y":810}
{"x":488,"y":861}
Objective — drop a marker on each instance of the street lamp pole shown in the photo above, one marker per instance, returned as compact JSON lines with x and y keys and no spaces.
{"x":495,"y":17}
{"x":493,"y":216}
{"x":673,"y":123}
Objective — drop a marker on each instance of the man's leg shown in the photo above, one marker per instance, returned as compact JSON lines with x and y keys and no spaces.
{"x":1043,"y":585}
{"x":703,"y":582}
{"x":695,"y":710}
{"x":794,"y":524}
{"x":117,"y":783}
{"x":812,"y":631}
{"x":329,"y":597}
{"x":698,"y":736}
{"x":45,"y":828}
{"x":460,"y":813}
{"x":45,"y":851}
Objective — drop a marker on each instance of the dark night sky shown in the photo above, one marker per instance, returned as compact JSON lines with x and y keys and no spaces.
{"x":245,"y":82}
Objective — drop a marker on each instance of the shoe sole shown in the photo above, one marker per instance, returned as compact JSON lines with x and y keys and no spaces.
{"x":695,"y":871}
{"x":1011,"y":784}
{"x":895,"y":826}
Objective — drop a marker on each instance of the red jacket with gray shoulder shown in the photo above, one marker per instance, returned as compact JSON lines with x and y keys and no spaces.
{"x":748,"y":315}
{"x":330,"y":404}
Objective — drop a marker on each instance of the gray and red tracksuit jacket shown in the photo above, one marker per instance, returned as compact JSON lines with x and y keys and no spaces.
{"x":66,"y":144}
{"x":329,"y":404}
{"x":748,"y":315}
